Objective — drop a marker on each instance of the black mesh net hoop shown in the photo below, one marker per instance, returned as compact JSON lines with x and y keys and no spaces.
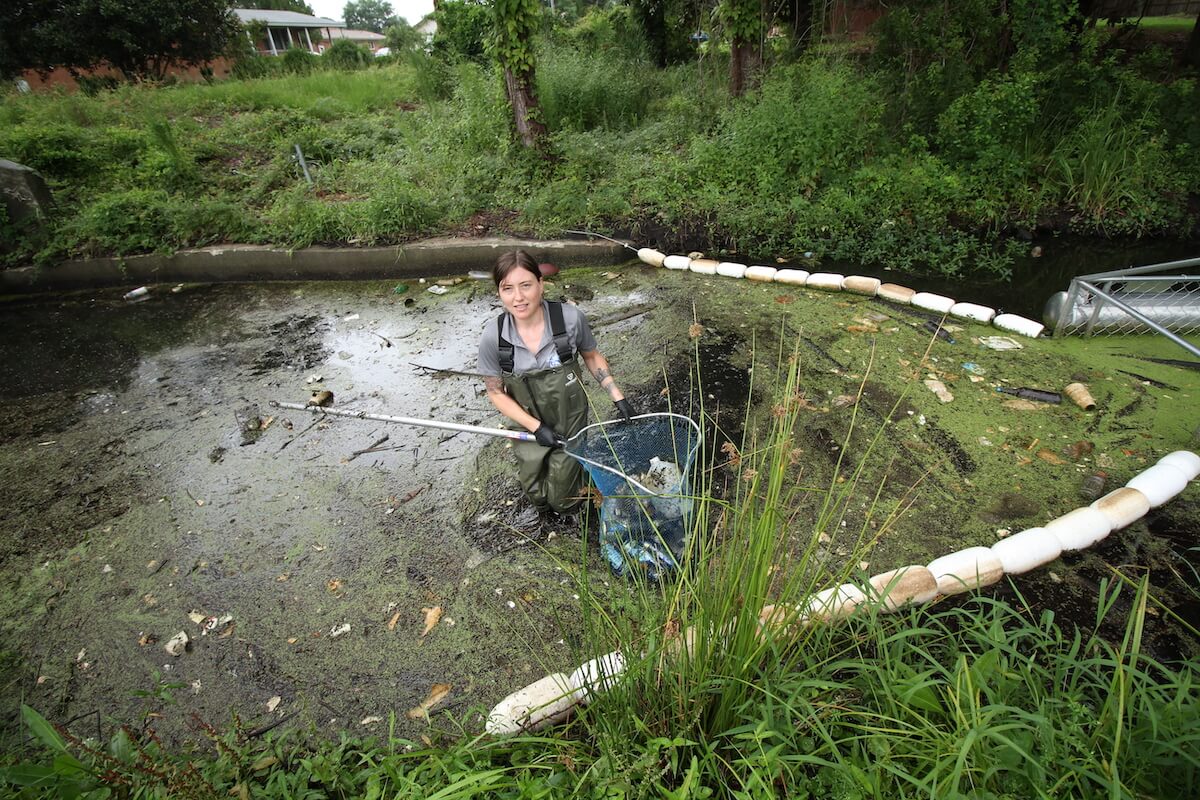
{"x":643,"y":470}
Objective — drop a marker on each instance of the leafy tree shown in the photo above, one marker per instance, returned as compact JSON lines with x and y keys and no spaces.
{"x":368,"y":15}
{"x":140,"y":41}
{"x":516,"y":22}
{"x":743,"y":19}
{"x":402,"y":37}
{"x":299,"y":6}
{"x":346,"y":55}
{"x":463,"y":27}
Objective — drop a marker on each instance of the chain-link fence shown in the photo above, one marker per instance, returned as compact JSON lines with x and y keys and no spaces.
{"x":1135,"y":300}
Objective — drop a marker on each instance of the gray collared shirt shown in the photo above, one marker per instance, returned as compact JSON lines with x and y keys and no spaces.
{"x":578,"y":332}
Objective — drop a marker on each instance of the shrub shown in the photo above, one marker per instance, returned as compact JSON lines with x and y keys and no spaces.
{"x":344,"y":54}
{"x":463,"y":28}
{"x":122,"y":222}
{"x":584,"y":91}
{"x":297,"y":61}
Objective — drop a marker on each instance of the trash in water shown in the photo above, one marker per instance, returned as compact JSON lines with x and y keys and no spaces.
{"x":1050,"y":457}
{"x":1093,"y":486}
{"x":137,"y":293}
{"x":1000,"y":343}
{"x":400,"y":288}
{"x":437,"y":693}
{"x":449,"y":281}
{"x":177,"y":644}
{"x":939,"y":331}
{"x":322,"y":399}
{"x":314,"y":378}
{"x":971,"y":366}
{"x":1026,"y":393}
{"x":479,"y":275}
{"x":437,"y":289}
{"x":339,"y":630}
{"x":273,"y":703}
{"x":1078,"y":450}
{"x":1080,"y":396}
{"x":432,"y":617}
{"x":350,"y":318}
{"x":939,"y":388}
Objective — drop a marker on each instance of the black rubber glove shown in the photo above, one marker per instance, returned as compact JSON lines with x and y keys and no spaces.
{"x":546,"y":436}
{"x":624,"y":408}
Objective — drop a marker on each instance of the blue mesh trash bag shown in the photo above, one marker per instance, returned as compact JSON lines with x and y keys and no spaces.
{"x":643,"y":469}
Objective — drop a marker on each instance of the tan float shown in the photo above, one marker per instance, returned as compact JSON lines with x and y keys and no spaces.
{"x":651,"y":256}
{"x":729,"y":269}
{"x":973,"y":311}
{"x":1080,"y":396}
{"x":1122,"y":507}
{"x":677,"y":262}
{"x":933,"y":302}
{"x":966,"y":569}
{"x":860,"y":284}
{"x":704,"y":266}
{"x":836,"y":602}
{"x":898,"y":587}
{"x":1080,"y":528}
{"x":1159,"y":483}
{"x":1027,"y":550}
{"x":895,"y":294}
{"x":542,"y":702}
{"x":794,"y":277}
{"x":760,"y":273}
{"x":825,"y":281}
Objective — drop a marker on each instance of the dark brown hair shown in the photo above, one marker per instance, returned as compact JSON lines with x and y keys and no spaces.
{"x":510,"y":261}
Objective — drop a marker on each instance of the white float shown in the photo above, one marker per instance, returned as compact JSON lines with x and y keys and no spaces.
{"x":973,"y":311}
{"x":1029,"y":549}
{"x":795,"y":277}
{"x":825,"y":281}
{"x":703,"y":266}
{"x":933,"y":302}
{"x":597,"y":674}
{"x":651,"y":256}
{"x":676,"y":262}
{"x":898,"y":587}
{"x":967,"y":569}
{"x":1122,"y":507}
{"x":760,"y":273}
{"x":1080,"y":528}
{"x":860,"y":284}
{"x":895,"y":294}
{"x":1159,"y":483}
{"x":730,"y":269}
{"x":540,"y":703}
{"x":1019,"y":324}
{"x":1186,"y":462}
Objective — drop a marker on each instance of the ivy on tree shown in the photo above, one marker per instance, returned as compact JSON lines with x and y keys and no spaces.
{"x":516,"y":22}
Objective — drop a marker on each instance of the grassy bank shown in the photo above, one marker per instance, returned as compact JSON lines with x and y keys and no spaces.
{"x":979,"y":698}
{"x":831,"y":155}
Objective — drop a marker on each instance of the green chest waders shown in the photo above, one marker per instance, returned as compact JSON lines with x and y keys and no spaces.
{"x":555,"y":396}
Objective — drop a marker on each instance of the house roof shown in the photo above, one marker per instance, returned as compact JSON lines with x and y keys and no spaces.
{"x":356,"y":35}
{"x":288,"y":19}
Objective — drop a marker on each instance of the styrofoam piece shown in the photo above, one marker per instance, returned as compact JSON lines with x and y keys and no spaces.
{"x":1080,"y":528}
{"x":729,"y":269}
{"x":967,"y":569}
{"x":836,"y":602}
{"x":760,"y":273}
{"x":1185,"y":461}
{"x":703,"y":266}
{"x":860,"y":284}
{"x":1123,"y":506}
{"x":776,"y":617}
{"x":541,"y":702}
{"x":933,"y":302}
{"x":651,"y":256}
{"x":1159,"y":483}
{"x":826,"y":281}
{"x":911,"y":584}
{"x":973,"y":311}
{"x":1027,"y":550}
{"x":796,"y":277}
{"x":1019,"y":324}
{"x":895,"y":293}
{"x":597,"y":674}
{"x":676,"y":262}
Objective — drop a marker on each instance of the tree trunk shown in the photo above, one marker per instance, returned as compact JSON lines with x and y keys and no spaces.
{"x":745,"y":61}
{"x":802,"y":23}
{"x":519,"y":90}
{"x":1191,"y":53}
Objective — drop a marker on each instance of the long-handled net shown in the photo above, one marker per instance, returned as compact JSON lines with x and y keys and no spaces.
{"x":643,"y":469}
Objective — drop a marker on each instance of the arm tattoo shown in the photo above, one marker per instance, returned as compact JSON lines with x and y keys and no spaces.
{"x":493,"y":384}
{"x":602,"y":374}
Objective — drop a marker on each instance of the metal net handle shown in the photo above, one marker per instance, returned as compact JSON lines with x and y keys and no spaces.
{"x":684,"y":467}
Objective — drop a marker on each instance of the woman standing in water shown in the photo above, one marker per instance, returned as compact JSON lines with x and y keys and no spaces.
{"x":528,"y":359}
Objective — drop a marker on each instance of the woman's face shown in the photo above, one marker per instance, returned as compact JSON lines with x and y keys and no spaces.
{"x":521,"y":293}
